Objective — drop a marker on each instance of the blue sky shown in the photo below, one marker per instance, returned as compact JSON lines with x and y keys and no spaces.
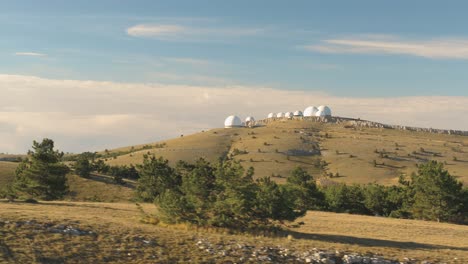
{"x":241,"y":42}
{"x":101,"y":74}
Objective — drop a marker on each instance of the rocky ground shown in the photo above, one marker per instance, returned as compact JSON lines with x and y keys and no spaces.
{"x":147,"y":249}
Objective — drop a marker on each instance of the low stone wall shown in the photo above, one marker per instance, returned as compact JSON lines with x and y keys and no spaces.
{"x":364,"y":123}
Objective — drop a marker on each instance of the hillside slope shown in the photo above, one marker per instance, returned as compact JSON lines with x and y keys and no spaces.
{"x":7,"y":172}
{"x":96,"y":188}
{"x":352,"y":154}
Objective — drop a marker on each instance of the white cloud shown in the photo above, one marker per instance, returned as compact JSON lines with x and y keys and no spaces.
{"x":437,"y":48}
{"x":31,"y":54}
{"x":176,"y":32}
{"x":93,"y":115}
{"x":143,"y":30}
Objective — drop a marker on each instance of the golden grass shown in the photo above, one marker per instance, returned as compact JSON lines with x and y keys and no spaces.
{"x":272,"y":141}
{"x":281,"y":136}
{"x":7,"y":172}
{"x":98,"y":189}
{"x":362,"y":144}
{"x":395,"y":238}
{"x":119,"y":234}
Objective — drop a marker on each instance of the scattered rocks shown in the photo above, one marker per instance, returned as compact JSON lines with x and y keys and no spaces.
{"x":261,"y":254}
{"x":70,"y":230}
{"x":48,"y":227}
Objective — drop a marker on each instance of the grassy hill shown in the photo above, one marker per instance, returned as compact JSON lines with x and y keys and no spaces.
{"x":96,"y":189}
{"x":7,"y":172}
{"x":277,"y":148}
{"x":352,"y":154}
{"x":77,"y":232}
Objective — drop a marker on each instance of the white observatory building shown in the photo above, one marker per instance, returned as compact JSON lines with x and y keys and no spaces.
{"x":310,"y":111}
{"x":232,"y":121}
{"x":271,"y":115}
{"x":288,"y":115}
{"x":280,"y":115}
{"x":250,"y":121}
{"x":323,"y":110}
{"x":297,"y":113}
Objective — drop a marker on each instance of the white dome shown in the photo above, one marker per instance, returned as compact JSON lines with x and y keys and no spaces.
{"x":297,"y":113}
{"x":288,"y":115}
{"x":271,"y":115}
{"x":323,"y":110}
{"x":232,"y":121}
{"x":310,"y":111}
{"x":279,"y":115}
{"x":249,"y":119}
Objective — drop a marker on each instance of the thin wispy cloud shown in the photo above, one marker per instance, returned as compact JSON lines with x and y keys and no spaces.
{"x":131,"y":113}
{"x":167,"y":77}
{"x":31,"y":54}
{"x":190,"y":61}
{"x":436,"y":48}
{"x":177,"y":32}
{"x":143,"y":30}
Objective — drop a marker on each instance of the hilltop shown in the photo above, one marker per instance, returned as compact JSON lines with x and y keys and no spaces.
{"x":332,"y":150}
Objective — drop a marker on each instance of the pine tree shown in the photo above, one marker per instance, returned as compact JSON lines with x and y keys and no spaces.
{"x":82,"y":166}
{"x":274,"y":202}
{"x":302,"y":185}
{"x":437,"y":194}
{"x":156,"y":176}
{"x":42,"y":175}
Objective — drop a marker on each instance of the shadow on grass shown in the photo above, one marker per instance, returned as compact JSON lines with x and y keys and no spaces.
{"x":370,"y":242}
{"x":109,"y":180}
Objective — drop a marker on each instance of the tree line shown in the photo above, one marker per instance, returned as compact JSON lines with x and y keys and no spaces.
{"x":225,"y":194}
{"x":196,"y":192}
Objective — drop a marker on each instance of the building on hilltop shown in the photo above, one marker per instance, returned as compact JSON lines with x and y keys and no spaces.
{"x":297,"y":113}
{"x":323,"y":110}
{"x":310,"y":111}
{"x":232,"y":121}
{"x":250,"y":121}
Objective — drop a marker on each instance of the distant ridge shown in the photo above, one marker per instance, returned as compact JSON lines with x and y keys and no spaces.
{"x":368,"y":124}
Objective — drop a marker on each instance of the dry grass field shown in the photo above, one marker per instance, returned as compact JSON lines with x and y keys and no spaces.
{"x":280,"y":146}
{"x":96,"y":188}
{"x":264,"y":148}
{"x":401,"y":151}
{"x":7,"y":172}
{"x":112,"y":232}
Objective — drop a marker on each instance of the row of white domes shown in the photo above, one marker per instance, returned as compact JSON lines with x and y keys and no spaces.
{"x":322,"y":110}
{"x":235,"y":121}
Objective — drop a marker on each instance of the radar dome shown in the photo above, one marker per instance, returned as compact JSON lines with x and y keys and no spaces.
{"x":249,"y":119}
{"x":310,"y":111}
{"x":271,"y":115}
{"x":323,"y":110}
{"x":280,"y":115}
{"x":297,"y":113}
{"x":288,"y":115}
{"x":232,"y":121}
